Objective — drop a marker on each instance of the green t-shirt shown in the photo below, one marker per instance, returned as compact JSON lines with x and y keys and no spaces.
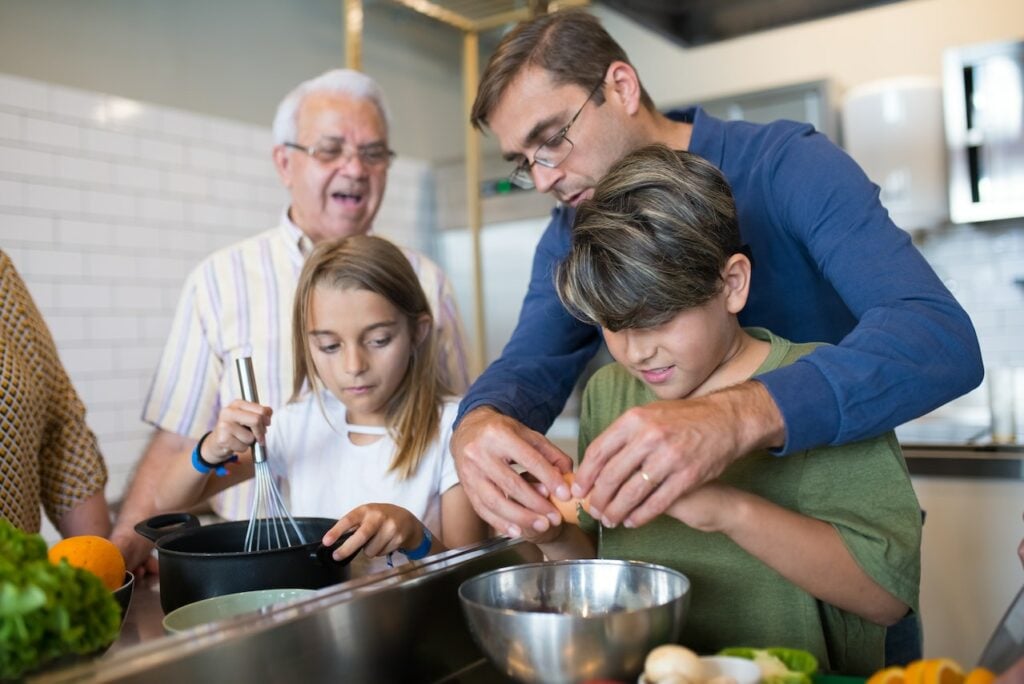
{"x":862,"y":489}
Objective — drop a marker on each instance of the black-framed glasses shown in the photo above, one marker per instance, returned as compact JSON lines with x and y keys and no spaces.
{"x":329,"y":150}
{"x":552,"y":151}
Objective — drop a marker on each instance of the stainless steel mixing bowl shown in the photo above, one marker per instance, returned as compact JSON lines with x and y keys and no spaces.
{"x":569,"y":621}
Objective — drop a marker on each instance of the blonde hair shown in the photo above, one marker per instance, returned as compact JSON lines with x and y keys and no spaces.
{"x":651,"y":242}
{"x":365,"y":262}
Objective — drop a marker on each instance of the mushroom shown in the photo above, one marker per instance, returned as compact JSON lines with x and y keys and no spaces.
{"x":672,"y":664}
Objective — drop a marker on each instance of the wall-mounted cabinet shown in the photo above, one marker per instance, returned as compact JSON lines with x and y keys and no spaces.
{"x":809,"y":102}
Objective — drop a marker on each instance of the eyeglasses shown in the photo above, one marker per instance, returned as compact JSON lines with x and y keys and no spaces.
{"x":552,"y":151}
{"x":331,"y":149}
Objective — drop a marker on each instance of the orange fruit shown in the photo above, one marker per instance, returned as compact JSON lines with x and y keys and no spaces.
{"x":95,"y":554}
{"x":569,"y":510}
{"x":980,"y":675}
{"x":913,"y":672}
{"x":941,"y":671}
{"x":890,"y":675}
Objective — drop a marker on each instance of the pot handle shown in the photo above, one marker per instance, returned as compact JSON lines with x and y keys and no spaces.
{"x":323,"y":554}
{"x":159,"y":526}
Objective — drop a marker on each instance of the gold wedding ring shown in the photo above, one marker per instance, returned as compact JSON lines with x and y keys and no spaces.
{"x":646,"y":477}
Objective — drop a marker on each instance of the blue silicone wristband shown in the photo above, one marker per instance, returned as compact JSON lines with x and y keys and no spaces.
{"x":204,"y":467}
{"x":422,"y":550}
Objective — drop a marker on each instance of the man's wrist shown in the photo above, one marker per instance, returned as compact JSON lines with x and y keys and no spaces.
{"x":758,"y":419}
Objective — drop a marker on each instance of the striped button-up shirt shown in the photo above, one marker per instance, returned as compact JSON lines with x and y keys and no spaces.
{"x":238,"y":302}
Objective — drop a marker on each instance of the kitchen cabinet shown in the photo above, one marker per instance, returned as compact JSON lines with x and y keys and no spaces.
{"x":973,"y":497}
{"x":984,"y":90}
{"x":809,"y":102}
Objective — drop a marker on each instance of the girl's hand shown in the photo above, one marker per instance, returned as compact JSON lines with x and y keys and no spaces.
{"x":239,"y":425}
{"x":706,"y":508}
{"x":379,"y":528}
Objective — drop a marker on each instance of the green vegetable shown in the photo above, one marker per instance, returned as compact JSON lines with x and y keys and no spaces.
{"x":48,"y":611}
{"x":779,"y":665}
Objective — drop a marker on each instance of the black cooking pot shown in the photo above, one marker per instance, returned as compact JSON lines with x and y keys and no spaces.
{"x":199,"y":562}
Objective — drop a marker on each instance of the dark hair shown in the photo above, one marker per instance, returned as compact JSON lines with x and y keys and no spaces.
{"x":571,"y":46}
{"x":365,"y":262}
{"x":651,"y":242}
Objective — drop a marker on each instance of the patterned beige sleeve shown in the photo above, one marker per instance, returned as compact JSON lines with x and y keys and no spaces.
{"x":71,"y":465}
{"x":51,"y":457}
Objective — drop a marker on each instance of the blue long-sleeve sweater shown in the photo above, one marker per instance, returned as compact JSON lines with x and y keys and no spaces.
{"x":829,"y":266}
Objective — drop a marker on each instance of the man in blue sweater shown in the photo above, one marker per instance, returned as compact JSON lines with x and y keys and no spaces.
{"x":829,"y":266}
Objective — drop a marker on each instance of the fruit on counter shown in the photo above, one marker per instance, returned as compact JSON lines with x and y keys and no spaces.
{"x":932,"y":671}
{"x":569,"y":510}
{"x":672,"y":664}
{"x":48,"y":611}
{"x":779,"y":665}
{"x":97,"y":555}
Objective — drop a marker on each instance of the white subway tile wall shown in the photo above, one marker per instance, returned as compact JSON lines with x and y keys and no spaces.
{"x":106,"y":204}
{"x":983,"y":266}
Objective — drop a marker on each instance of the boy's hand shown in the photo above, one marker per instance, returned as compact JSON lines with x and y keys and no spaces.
{"x":239,"y":425}
{"x":378,"y":528}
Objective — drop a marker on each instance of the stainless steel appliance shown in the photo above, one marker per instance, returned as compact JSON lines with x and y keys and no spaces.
{"x":984,"y":111}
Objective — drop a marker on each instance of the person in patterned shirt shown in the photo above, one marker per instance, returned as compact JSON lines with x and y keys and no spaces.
{"x":48,"y":455}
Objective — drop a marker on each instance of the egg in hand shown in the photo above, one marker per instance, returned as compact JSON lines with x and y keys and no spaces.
{"x":569,"y":510}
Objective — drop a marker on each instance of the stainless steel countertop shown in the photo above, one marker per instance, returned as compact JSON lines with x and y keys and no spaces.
{"x":404,"y":624}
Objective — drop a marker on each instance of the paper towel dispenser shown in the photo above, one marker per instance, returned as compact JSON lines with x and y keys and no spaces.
{"x":893,"y":129}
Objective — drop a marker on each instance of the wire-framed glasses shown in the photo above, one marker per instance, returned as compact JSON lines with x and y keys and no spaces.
{"x":328,"y":150}
{"x":552,"y":151}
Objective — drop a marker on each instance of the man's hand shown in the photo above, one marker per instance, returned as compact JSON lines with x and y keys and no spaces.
{"x":651,"y":455}
{"x":137,"y":552}
{"x":485,"y":446}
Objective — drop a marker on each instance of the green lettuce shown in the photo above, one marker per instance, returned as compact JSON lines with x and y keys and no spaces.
{"x":779,"y":665}
{"x":48,"y":611}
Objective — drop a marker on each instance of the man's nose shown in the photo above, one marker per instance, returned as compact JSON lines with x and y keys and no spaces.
{"x":544,"y":179}
{"x":351,"y":163}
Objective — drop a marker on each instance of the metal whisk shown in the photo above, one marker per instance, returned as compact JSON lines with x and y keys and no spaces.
{"x":271,"y":526}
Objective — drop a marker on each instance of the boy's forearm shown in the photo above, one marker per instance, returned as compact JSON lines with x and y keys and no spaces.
{"x":809,"y":553}
{"x":570,"y":543}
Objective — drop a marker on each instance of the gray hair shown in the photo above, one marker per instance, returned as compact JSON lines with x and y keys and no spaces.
{"x":651,"y":242}
{"x":347,"y":81}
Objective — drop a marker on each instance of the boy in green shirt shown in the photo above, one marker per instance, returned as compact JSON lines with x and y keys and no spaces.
{"x":819,"y":550}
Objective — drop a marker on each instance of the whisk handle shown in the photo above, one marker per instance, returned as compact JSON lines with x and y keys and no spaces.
{"x":247,"y":382}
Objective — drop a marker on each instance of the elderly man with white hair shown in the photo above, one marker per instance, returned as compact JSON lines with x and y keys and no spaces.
{"x":331,"y":152}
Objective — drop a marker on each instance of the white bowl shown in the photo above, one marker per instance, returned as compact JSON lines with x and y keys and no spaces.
{"x":742,"y":670}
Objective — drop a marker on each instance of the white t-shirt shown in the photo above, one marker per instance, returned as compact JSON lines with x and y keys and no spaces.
{"x":325,"y":475}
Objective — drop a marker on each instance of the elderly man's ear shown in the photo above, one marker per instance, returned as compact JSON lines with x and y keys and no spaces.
{"x":282,"y":162}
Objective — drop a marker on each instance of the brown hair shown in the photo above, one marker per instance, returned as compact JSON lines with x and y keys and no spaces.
{"x":571,"y":46}
{"x":651,"y":242}
{"x":371,"y":263}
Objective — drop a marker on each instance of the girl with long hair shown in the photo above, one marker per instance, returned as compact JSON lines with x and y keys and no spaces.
{"x":367,"y":428}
